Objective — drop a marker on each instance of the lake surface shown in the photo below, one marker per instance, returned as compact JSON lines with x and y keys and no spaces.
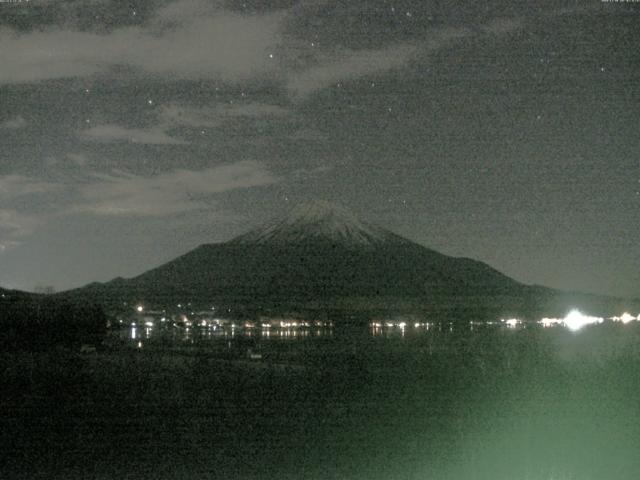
{"x":444,"y":402}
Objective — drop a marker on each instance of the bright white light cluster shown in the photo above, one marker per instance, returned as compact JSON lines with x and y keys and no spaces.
{"x":391,"y":324}
{"x":626,"y":317}
{"x":576,"y":320}
{"x":550,"y":322}
{"x":511,"y":322}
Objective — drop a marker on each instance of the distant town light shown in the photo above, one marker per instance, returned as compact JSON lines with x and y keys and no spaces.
{"x":550,"y":322}
{"x":140,"y":308}
{"x":512,"y":322}
{"x":626,"y":317}
{"x":575,"y":320}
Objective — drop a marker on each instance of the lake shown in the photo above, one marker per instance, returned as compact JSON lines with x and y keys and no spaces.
{"x":451,"y":401}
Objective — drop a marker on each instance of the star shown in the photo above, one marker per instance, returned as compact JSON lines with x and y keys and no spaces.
{"x":150,"y":102}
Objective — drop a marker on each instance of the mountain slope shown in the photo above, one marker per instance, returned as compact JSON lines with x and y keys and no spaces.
{"x":32,"y":321}
{"x":322,"y":257}
{"x":319,"y":221}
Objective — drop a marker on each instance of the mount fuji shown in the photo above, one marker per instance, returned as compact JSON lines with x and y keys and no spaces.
{"x":322,"y":258}
{"x":319,"y":221}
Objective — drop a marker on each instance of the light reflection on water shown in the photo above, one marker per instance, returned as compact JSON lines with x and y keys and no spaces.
{"x":216,"y":335}
{"x":266,"y":335}
{"x":229,"y":336}
{"x":502,"y":428}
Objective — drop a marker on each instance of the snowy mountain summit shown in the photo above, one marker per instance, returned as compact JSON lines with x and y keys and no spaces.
{"x":319,"y":221}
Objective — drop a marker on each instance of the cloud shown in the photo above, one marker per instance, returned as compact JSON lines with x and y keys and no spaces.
{"x":175,"y":115}
{"x":185,"y":10}
{"x":501,"y":26}
{"x":14,"y":186}
{"x":14,"y":123}
{"x":212,"y":47}
{"x":178,"y":115}
{"x":169,"y":193}
{"x":196,"y":39}
{"x":116,"y":133}
{"x":77,"y":158}
{"x":254,"y":110}
{"x":184,"y":116}
{"x":349,"y":65}
{"x":122,"y":193}
{"x":352,"y":65}
{"x":189,"y":46}
{"x":303,"y":174}
{"x":308,"y":135}
{"x":15,"y":225}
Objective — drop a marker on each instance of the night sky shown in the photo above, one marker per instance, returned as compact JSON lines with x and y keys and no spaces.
{"x":509,"y":132}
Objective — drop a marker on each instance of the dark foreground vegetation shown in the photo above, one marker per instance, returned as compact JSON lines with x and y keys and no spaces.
{"x":488,"y":404}
{"x":37,"y":322}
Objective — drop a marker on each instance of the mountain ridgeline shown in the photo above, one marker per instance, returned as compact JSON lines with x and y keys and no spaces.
{"x":319,"y":259}
{"x":35,"y":322}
